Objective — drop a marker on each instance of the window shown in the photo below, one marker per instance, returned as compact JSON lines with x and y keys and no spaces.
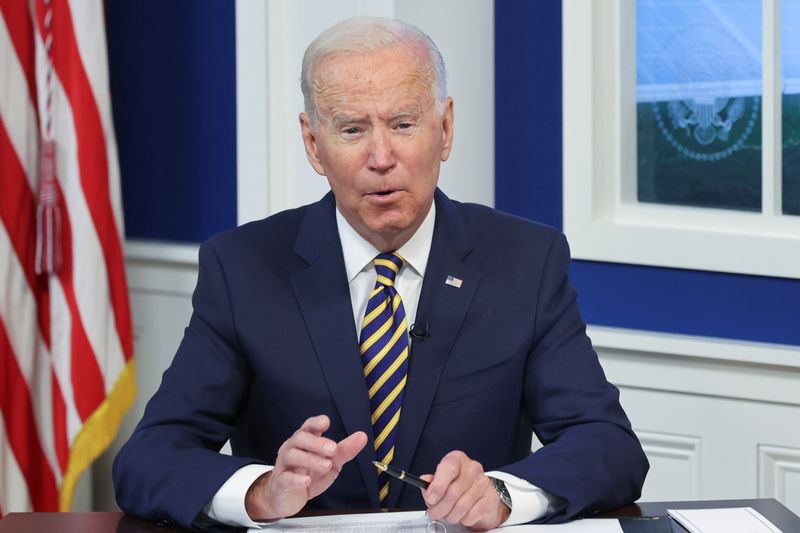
{"x":682,"y":133}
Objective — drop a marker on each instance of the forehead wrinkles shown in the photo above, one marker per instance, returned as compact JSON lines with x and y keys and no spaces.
{"x":352,"y":92}
{"x":352,"y":78}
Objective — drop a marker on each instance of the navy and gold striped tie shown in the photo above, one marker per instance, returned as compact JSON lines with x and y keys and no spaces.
{"x":384,"y":353}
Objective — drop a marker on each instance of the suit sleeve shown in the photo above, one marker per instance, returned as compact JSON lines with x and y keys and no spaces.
{"x":591,"y":458}
{"x":171,"y":466}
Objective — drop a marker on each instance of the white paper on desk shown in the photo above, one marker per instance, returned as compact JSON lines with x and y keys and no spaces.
{"x":733,"y":520}
{"x":417,"y":521}
{"x":407,"y":522}
{"x":587,"y":525}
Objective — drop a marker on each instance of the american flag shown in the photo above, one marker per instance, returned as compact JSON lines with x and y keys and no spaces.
{"x":66,"y":366}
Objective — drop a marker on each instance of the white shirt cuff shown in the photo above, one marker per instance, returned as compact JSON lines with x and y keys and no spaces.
{"x":227,"y":505}
{"x":529,"y":502}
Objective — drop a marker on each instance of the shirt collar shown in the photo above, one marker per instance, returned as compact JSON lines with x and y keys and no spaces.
{"x":359,"y":253}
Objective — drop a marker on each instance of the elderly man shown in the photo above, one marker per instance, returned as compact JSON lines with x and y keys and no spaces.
{"x":384,"y":322}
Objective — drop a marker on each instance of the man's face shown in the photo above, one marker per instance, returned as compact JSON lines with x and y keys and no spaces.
{"x":379,"y":139}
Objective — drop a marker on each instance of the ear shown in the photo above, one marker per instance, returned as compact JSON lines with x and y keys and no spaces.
{"x":447,"y":128}
{"x":310,"y":143}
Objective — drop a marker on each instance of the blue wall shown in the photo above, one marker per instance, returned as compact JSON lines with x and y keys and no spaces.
{"x":173,"y":86}
{"x":174,"y":95}
{"x":528,"y":182}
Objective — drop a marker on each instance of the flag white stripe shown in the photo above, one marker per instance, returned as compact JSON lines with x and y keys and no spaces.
{"x":91,"y":39}
{"x":41,"y":391}
{"x":21,"y":129}
{"x":18,"y":312}
{"x":60,"y":343}
{"x":60,"y":314}
{"x":89,"y":283}
{"x":90,"y":274}
{"x":16,"y":108}
{"x":14,"y":495}
{"x":40,"y":57}
{"x":18,"y":308}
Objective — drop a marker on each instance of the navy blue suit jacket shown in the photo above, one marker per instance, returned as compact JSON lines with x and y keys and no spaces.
{"x":272,"y":342}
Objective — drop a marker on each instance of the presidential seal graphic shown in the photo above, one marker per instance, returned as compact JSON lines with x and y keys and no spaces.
{"x":711,"y":107}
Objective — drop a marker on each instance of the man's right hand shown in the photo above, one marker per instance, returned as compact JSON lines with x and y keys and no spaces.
{"x":307,"y":465}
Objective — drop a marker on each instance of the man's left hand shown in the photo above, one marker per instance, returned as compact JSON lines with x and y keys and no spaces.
{"x":461,"y":493}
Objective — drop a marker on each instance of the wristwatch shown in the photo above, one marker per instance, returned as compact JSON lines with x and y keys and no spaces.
{"x":502,"y":491}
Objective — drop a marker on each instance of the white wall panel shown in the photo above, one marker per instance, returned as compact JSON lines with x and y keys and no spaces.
{"x":779,"y":474}
{"x":674,"y":466}
{"x":718,"y":419}
{"x":468,"y":50}
{"x":274,"y":173}
{"x":161,"y":279}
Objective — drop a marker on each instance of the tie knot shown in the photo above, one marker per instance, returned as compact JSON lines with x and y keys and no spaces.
{"x":387,"y":265}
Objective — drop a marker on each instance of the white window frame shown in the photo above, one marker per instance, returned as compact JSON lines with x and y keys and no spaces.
{"x":602,"y":219}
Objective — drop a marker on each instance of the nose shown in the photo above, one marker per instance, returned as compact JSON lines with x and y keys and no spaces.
{"x":381,"y":154}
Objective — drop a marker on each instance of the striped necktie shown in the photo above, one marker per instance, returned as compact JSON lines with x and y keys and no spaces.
{"x":384,"y":353}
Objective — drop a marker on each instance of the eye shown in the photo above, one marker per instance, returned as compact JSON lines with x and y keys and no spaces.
{"x":351,"y":131}
{"x":404,"y":125}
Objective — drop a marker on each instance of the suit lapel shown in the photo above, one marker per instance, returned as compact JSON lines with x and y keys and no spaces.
{"x":444,"y":307}
{"x":324,"y":298}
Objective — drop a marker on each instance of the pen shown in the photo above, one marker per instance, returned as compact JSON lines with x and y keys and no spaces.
{"x":402,"y":475}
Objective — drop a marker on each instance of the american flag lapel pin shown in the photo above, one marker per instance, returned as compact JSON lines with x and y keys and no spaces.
{"x":453,"y":282}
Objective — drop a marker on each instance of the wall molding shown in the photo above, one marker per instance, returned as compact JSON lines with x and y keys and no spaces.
{"x":775,"y":463}
{"x":697,"y":365}
{"x":612,"y":344}
{"x":170,"y":253}
{"x":675,"y":447}
{"x":161,"y":267}
{"x":693,"y":346}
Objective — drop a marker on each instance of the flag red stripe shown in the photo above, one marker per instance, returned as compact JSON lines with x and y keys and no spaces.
{"x":17,"y":207}
{"x":18,"y":215}
{"x":92,"y":160}
{"x":17,"y":212}
{"x":41,"y":448}
{"x":88,"y":386}
{"x":20,"y":29}
{"x":18,"y":416}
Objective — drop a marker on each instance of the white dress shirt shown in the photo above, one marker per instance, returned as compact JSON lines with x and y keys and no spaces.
{"x":227,"y":505}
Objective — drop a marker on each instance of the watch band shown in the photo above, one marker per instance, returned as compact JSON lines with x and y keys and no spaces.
{"x":502,"y":491}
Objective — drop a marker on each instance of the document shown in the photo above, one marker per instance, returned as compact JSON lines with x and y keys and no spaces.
{"x":406,"y":522}
{"x":586,"y":525}
{"x":734,"y":520}
{"x":418,"y":521}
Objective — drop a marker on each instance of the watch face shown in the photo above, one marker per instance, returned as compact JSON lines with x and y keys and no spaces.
{"x":502,"y":491}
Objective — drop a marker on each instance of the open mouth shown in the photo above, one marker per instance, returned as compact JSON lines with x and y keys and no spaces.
{"x":385,"y":198}
{"x":383,"y":194}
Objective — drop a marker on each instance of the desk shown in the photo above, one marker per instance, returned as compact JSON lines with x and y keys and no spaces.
{"x":120,"y":523}
{"x":779,"y":515}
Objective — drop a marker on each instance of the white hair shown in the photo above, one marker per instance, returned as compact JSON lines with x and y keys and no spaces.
{"x":364,"y":35}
